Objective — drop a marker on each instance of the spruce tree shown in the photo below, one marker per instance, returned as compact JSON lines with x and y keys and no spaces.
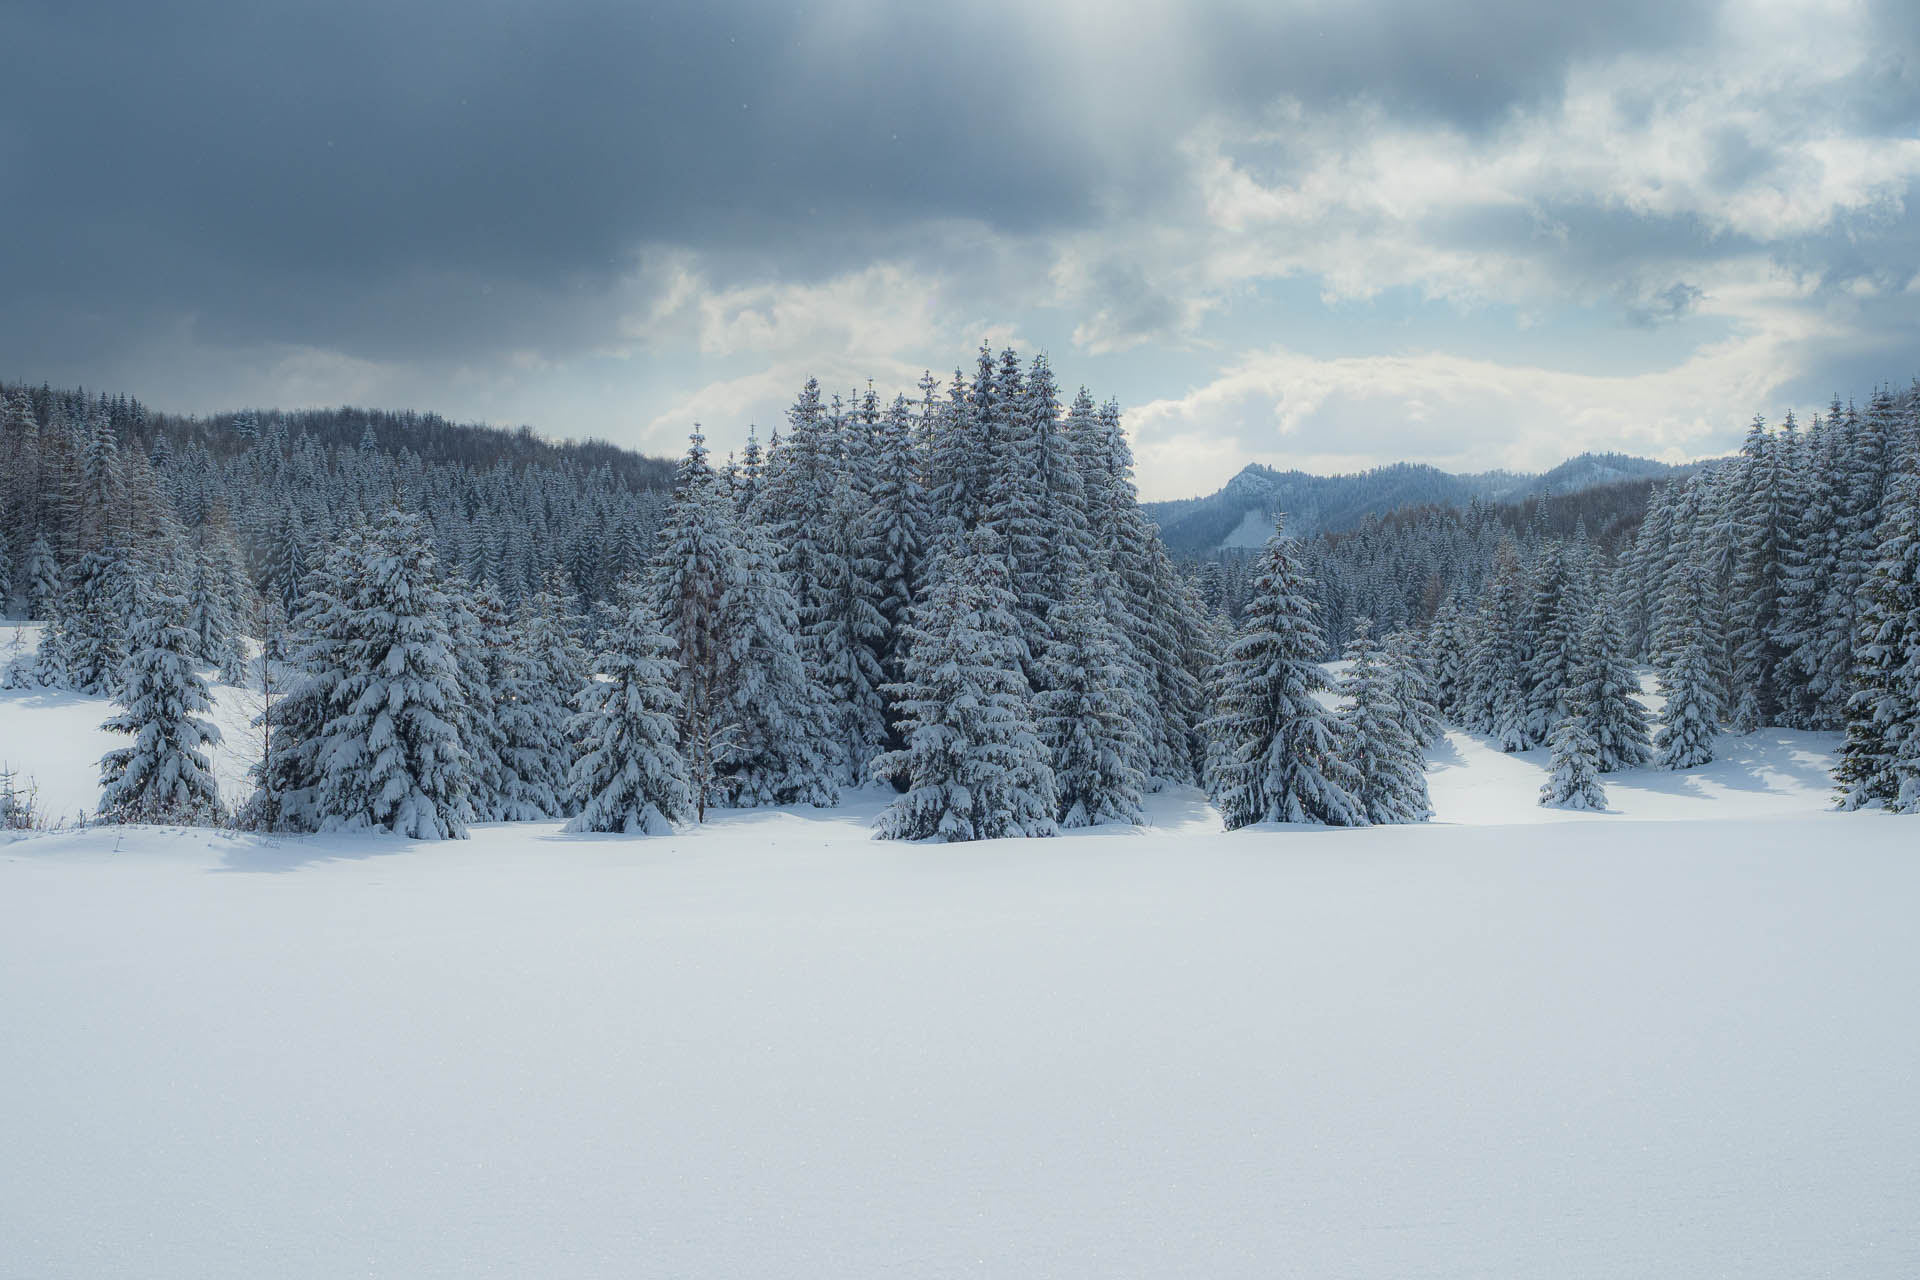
{"x":1085,"y":717}
{"x":1274,"y":752}
{"x":1118,"y":546}
{"x":1494,"y":701}
{"x":164,"y":776}
{"x":210,"y":621}
{"x":627,"y":766}
{"x":1880,"y":760}
{"x":1608,"y":710}
{"x":1767,"y":505}
{"x":1412,"y":688}
{"x":755,"y":727}
{"x":478,"y":630}
{"x":1376,"y":738}
{"x":1557,"y":615}
{"x":93,"y":621}
{"x":392,"y":750}
{"x":1690,"y":720}
{"x":752,"y":467}
{"x":1447,"y":647}
{"x":1573,"y":767}
{"x":540,"y":674}
{"x":972,"y":764}
{"x":783,"y":749}
{"x":1812,"y":671}
{"x":848,"y":635}
{"x":957,"y":457}
{"x":697,"y":578}
{"x":42,"y":579}
{"x":288,"y":779}
{"x":897,"y":527}
{"x":1637,"y":587}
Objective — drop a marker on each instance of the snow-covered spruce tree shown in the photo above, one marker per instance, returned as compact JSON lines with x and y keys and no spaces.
{"x":1117,"y":539}
{"x":93,"y":620}
{"x":626,"y":764}
{"x":288,"y":559}
{"x":551,"y":632}
{"x":897,"y":526}
{"x":848,"y":635}
{"x":1573,"y":767}
{"x":1558,"y":613}
{"x":534,"y":690}
{"x":48,"y":666}
{"x":754,"y":727}
{"x":960,"y":461}
{"x":1038,"y":503}
{"x":1375,"y":737}
{"x":1164,"y":632}
{"x":1802,"y":586}
{"x":746,"y":481}
{"x":1495,"y":698}
{"x":1413,"y":688}
{"x":1880,"y":760}
{"x":973,"y":764}
{"x":210,"y":620}
{"x":1085,"y":717}
{"x":7,"y":572}
{"x":41,"y":579}
{"x":813,"y":508}
{"x":1766,"y":505}
{"x":1273,"y":750}
{"x":16,"y":668}
{"x":1690,"y":721}
{"x":783,"y":749}
{"x":1637,"y":585}
{"x":392,"y":755}
{"x":1866,"y":462}
{"x":164,"y":776}
{"x":477,"y":628}
{"x":1447,"y":647}
{"x":696,"y":577}
{"x":1608,"y":710}
{"x":1813,"y":671}
{"x":1187,"y":653}
{"x":289,"y":776}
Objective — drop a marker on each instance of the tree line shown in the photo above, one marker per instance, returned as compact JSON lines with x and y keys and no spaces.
{"x":957,"y":593}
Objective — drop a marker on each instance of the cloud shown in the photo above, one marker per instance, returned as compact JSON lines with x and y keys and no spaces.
{"x":1671,"y":303}
{"x":606,"y":218}
{"x":1347,"y":413}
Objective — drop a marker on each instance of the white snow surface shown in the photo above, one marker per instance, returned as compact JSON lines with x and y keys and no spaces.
{"x":1677,"y":1039}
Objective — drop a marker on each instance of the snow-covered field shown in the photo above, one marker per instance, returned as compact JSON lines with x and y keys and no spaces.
{"x":1679,"y":1039}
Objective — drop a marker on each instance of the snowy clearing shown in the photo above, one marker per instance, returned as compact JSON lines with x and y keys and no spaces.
{"x":1672,"y":1040}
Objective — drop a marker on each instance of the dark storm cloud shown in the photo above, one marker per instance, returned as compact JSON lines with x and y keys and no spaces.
{"x":437,"y":179}
{"x":344,"y":173}
{"x":1466,"y":64}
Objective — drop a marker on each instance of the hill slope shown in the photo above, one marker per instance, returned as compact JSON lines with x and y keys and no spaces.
{"x":1241,"y":513}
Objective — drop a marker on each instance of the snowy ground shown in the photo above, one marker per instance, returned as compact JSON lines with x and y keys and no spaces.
{"x":1674,"y":1040}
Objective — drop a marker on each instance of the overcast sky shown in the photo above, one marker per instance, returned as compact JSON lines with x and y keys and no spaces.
{"x":1322,"y":234}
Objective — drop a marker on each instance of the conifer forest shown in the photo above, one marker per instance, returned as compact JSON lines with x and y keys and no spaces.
{"x":955,"y":593}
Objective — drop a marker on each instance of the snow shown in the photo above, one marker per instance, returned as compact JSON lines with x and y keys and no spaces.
{"x":1672,"y":1040}
{"x":1255,"y":527}
{"x":53,"y":738}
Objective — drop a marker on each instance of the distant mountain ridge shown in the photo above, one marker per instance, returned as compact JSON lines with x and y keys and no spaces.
{"x":1241,"y":513}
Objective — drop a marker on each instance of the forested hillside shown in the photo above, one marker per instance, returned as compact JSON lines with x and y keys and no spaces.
{"x":1397,"y":569}
{"x":1238,"y":516}
{"x":957,"y":594}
